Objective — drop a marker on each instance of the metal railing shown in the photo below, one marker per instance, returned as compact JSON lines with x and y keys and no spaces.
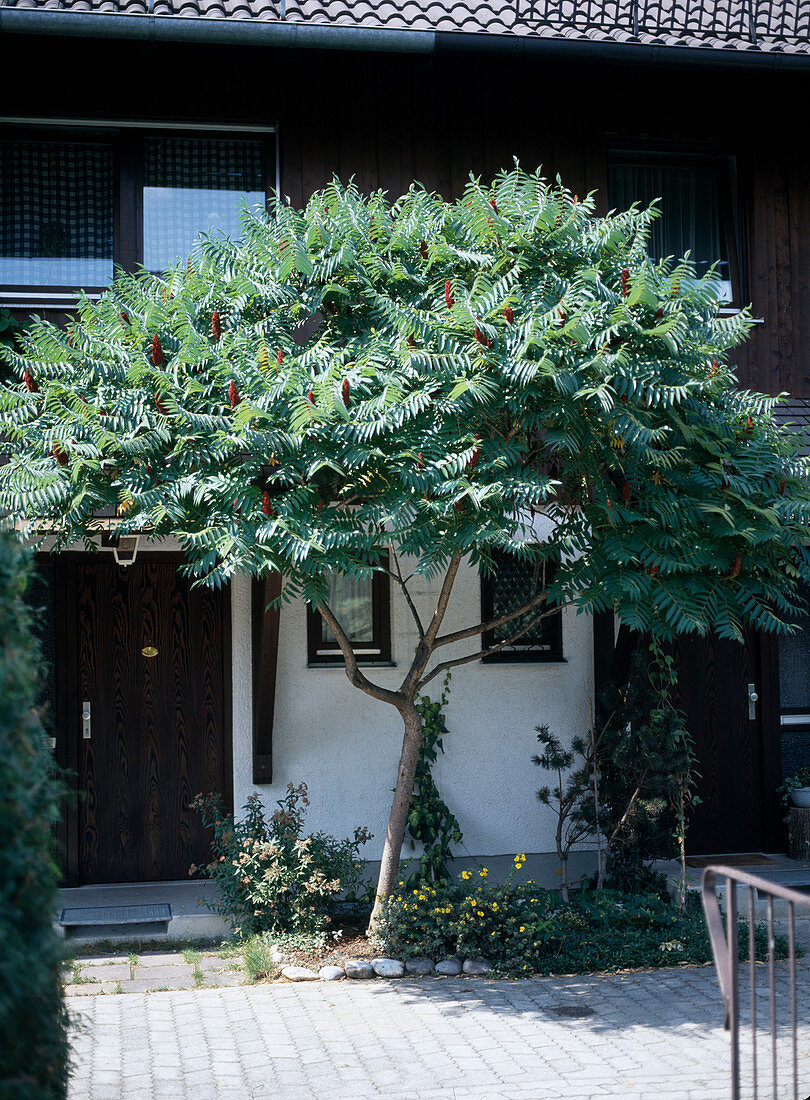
{"x":725,"y":952}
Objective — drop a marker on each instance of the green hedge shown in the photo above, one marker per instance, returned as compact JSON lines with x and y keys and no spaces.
{"x":33,"y":1018}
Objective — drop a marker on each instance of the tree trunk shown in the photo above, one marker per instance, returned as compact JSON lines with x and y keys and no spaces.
{"x":398,"y":818}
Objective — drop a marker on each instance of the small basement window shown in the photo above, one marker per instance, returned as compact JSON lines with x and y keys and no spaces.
{"x":511,"y":584}
{"x":361,"y":606}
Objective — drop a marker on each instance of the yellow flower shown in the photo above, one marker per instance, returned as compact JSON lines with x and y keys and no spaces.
{"x":483,"y":872}
{"x":465,"y":875}
{"x":495,"y":905}
{"x":522,"y":928}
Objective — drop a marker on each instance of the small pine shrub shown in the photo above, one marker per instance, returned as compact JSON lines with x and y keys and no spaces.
{"x":271,"y":877}
{"x":33,"y":1017}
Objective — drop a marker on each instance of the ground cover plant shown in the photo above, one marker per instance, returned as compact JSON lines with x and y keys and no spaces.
{"x":33,"y":1018}
{"x":371,"y":385}
{"x":523,"y":929}
{"x":271,"y":876}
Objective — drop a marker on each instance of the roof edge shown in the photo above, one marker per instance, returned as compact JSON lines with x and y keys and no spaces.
{"x":291,"y":35}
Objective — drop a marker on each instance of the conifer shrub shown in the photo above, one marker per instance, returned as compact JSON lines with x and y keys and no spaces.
{"x":33,"y":1016}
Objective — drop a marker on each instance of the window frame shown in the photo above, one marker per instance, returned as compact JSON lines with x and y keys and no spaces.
{"x":550,"y":626}
{"x":329,"y":655}
{"x":127,"y":141}
{"x":726,"y":171}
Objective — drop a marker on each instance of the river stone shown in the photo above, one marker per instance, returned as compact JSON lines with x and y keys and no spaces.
{"x":358,"y":968}
{"x":419,"y":965}
{"x":450,"y":968}
{"x":476,"y":967}
{"x":299,"y":974}
{"x":331,"y":973}
{"x":276,"y":954}
{"x":388,"y":968}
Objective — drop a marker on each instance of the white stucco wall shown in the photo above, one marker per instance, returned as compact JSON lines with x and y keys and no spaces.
{"x":345,"y":745}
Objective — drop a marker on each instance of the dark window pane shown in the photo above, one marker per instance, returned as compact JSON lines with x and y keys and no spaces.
{"x":689,"y":200}
{"x":794,"y":666}
{"x":194,"y":186}
{"x":56,"y":213}
{"x":512,"y":584}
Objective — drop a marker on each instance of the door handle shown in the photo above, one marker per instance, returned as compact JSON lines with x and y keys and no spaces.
{"x":752,"y":702}
{"x":86,"y":728}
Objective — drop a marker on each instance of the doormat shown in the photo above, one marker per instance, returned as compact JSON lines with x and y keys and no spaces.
{"x":737,"y":859}
{"x":116,"y":914}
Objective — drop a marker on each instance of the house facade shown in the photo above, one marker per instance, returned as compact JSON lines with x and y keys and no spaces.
{"x":128,"y":128}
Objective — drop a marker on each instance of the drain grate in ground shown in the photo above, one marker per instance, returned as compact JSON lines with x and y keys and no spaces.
{"x":572,"y":1012}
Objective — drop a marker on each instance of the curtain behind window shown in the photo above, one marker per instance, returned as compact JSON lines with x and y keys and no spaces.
{"x":56,"y":213}
{"x":194,"y":186}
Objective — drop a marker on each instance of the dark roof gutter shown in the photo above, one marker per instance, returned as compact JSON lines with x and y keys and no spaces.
{"x":258,"y":32}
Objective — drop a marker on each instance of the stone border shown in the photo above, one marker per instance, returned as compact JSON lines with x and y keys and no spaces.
{"x":363,"y":969}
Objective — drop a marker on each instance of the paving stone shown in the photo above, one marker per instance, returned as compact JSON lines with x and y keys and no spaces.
{"x":388,"y":968}
{"x":213,"y":962}
{"x":476,"y":967}
{"x":157,"y":985}
{"x":358,"y":968}
{"x":157,"y":973}
{"x":221,"y":978}
{"x":105,"y":973}
{"x":299,"y":974}
{"x":91,"y":989}
{"x":331,"y":973}
{"x":450,"y":968}
{"x":419,"y":965}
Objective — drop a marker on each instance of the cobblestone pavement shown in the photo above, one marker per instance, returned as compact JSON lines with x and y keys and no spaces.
{"x":655,"y":1035}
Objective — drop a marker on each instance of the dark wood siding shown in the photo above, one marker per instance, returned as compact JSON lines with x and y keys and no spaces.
{"x":387,"y":119}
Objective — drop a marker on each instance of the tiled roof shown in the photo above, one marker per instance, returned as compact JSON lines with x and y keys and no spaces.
{"x":769,"y":26}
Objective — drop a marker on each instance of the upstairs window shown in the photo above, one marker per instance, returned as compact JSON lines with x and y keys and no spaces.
{"x":76,"y":202}
{"x":697,"y":203}
{"x":193,"y":186}
{"x":511,"y":584}
{"x":361,"y":606}
{"x":56,"y":213}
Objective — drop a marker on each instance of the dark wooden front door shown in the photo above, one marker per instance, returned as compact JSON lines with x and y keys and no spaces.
{"x":158,"y":731}
{"x":736,"y":809}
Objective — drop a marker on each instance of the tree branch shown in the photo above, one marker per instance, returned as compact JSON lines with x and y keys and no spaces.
{"x":355,"y":676}
{"x":492,"y":649}
{"x":404,"y":587}
{"x":481,"y":628}
{"x":428,"y":641}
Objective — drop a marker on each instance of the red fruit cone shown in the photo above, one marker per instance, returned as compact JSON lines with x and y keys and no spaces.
{"x":280,"y":357}
{"x":216,"y":325}
{"x":311,"y":397}
{"x":509,"y":315}
{"x":233,"y":395}
{"x":161,"y":408}
{"x":30,"y":383}
{"x":736,"y":567}
{"x":448,"y":294}
{"x":124,"y":317}
{"x":411,"y":341}
{"x":345,"y":392}
{"x":267,"y":504}
{"x":158,"y":358}
{"x":423,"y":249}
{"x":60,"y":455}
{"x":625,"y":282}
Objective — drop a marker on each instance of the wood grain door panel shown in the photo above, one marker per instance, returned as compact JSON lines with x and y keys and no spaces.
{"x":158,"y":723}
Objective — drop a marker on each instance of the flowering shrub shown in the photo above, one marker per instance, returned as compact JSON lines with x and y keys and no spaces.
{"x":522,"y":928}
{"x":270,"y":877}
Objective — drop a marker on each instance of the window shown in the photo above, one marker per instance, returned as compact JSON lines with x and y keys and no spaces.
{"x":510,"y":585}
{"x":75,"y":202}
{"x":56,"y":213}
{"x":697,"y":200}
{"x":362,"y":609}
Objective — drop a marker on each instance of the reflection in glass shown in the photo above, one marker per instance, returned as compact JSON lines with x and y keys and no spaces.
{"x":351,"y":601}
{"x":194,"y":186}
